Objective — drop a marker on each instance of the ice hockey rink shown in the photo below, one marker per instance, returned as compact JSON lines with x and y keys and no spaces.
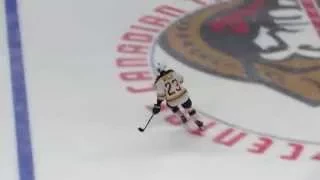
{"x":76,"y":82}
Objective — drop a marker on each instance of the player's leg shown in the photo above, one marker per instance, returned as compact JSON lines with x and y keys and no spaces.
{"x":192,"y":112}
{"x":187,"y":105}
{"x":176,"y":110}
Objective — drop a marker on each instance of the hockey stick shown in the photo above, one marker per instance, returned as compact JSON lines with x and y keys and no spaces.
{"x":142,"y":129}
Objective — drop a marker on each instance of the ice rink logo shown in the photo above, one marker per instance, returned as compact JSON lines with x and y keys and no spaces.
{"x":212,"y":40}
{"x":275,"y":43}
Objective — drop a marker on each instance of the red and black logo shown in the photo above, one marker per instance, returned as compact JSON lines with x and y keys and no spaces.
{"x":271,"y":42}
{"x":318,"y":4}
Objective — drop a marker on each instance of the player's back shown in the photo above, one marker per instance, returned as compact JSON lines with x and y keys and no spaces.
{"x":169,"y":85}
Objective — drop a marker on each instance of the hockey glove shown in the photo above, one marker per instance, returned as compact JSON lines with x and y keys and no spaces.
{"x":156,"y":109}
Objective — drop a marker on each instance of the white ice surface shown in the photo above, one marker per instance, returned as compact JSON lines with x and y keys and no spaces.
{"x":84,"y":122}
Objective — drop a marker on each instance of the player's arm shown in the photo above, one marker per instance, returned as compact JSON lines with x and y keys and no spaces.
{"x":160,"y":97}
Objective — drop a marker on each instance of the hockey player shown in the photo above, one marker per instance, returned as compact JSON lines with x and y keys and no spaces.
{"x":168,"y":85}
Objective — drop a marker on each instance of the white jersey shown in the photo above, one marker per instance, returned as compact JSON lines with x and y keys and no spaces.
{"x":169,"y":87}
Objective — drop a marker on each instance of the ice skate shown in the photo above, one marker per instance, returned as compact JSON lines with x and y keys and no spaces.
{"x":199,"y":124}
{"x":183,"y":119}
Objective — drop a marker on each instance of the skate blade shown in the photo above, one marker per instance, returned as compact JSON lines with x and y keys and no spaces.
{"x":201,"y":131}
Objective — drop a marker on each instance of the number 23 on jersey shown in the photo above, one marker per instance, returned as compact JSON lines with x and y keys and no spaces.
{"x":172,"y":87}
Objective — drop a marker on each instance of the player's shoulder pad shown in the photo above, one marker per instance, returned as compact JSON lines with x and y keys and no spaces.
{"x":157,"y":79}
{"x":161,"y":75}
{"x":169,"y":71}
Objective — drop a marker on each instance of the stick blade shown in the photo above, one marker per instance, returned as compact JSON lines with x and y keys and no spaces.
{"x":140,"y":129}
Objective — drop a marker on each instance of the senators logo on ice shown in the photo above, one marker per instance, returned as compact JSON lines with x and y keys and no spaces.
{"x":271,"y":42}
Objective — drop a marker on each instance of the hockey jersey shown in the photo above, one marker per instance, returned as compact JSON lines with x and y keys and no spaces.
{"x":169,"y":87}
